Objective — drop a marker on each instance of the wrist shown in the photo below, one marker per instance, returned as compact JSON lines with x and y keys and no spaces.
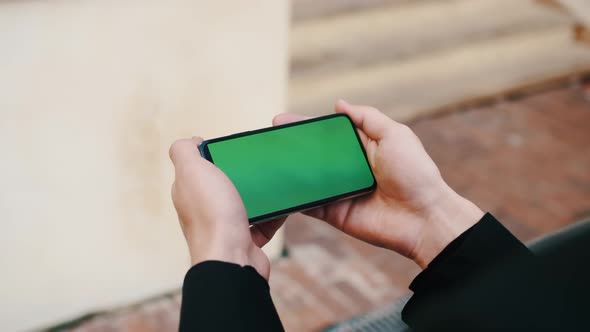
{"x":247,"y":256}
{"x":230,"y":255}
{"x":444,"y":221}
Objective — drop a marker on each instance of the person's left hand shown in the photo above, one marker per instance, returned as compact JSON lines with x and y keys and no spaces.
{"x":212,"y":215}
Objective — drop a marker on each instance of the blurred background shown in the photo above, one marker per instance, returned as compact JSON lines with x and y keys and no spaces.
{"x":92,"y":93}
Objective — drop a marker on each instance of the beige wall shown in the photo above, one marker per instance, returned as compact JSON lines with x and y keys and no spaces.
{"x":92,"y":93}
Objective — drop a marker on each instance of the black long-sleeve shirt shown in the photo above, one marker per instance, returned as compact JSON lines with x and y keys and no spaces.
{"x":484,"y":280}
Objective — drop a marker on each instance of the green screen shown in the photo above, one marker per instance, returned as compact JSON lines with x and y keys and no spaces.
{"x":291,"y":166}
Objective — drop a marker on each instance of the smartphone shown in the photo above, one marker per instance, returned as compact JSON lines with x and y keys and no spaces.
{"x":290,"y":168}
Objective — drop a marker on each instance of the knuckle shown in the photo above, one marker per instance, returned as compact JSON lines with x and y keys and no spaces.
{"x":407,"y":130}
{"x":403,"y":129}
{"x":172,"y":149}
{"x":370,"y":109}
{"x":373,"y":109}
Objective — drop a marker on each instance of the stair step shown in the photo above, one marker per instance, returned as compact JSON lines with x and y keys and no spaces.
{"x":313,"y":9}
{"x":419,"y":85}
{"x":392,"y":33}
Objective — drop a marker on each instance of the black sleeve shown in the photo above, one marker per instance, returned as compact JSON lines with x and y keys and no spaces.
{"x":488,"y":280}
{"x":220,"y":296}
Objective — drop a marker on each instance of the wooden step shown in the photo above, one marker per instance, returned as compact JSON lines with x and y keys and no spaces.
{"x":582,"y":34}
{"x":313,"y":9}
{"x":421,"y":85}
{"x":580,"y":9}
{"x":321,"y":47}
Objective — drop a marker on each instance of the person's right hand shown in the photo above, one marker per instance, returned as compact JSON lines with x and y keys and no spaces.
{"x":412,"y":211}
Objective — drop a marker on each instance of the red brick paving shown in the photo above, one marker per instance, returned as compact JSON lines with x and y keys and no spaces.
{"x":526,"y":161}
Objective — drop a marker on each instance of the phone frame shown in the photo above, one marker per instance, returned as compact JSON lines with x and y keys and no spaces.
{"x":204,"y":150}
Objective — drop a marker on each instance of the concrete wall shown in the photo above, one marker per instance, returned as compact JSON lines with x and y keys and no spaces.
{"x":92,"y":93}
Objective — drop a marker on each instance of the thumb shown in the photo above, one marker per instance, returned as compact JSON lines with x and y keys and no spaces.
{"x":263,"y":233}
{"x":184,"y":149}
{"x":370,"y":120}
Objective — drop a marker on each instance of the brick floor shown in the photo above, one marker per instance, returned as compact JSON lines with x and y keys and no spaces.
{"x":526,"y":161}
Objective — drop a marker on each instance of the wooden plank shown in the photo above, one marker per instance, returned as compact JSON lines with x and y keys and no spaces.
{"x":313,"y":9}
{"x":582,"y":33}
{"x":418,"y":86}
{"x":391,"y":33}
{"x":580,"y":9}
{"x":552,"y":4}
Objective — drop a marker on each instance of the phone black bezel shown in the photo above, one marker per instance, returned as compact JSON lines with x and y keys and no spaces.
{"x":204,"y":151}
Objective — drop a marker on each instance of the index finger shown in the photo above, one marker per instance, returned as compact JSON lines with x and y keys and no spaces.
{"x":370,"y":120}
{"x":285,"y":118}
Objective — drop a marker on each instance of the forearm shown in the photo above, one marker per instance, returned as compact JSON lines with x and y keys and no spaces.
{"x":483,"y":279}
{"x":220,"y":296}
